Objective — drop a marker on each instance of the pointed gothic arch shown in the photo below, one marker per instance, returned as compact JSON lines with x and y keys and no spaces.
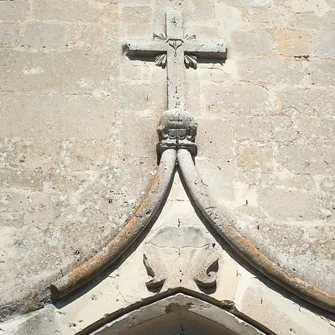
{"x":177,"y":314}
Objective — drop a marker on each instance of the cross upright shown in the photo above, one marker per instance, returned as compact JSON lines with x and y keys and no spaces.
{"x":174,"y":50}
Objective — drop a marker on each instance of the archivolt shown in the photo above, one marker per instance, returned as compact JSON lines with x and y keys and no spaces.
{"x":222,"y":225}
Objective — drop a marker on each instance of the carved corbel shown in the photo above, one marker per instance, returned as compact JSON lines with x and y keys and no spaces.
{"x":177,"y":130}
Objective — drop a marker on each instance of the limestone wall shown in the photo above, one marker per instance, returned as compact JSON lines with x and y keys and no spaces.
{"x":78,"y":128}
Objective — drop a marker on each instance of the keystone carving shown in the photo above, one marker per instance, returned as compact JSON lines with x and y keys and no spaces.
{"x":177,"y":130}
{"x":181,"y":256}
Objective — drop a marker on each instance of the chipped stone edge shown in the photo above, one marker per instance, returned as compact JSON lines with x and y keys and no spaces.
{"x":173,"y":302}
{"x":223,"y":226}
{"x":55,"y":289}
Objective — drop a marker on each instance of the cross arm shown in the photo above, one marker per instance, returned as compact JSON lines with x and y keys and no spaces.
{"x":206,"y":49}
{"x":139,"y":48}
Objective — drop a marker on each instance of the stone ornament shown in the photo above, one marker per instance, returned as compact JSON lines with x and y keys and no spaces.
{"x":174,"y":50}
{"x":181,"y":257}
{"x":177,"y":131}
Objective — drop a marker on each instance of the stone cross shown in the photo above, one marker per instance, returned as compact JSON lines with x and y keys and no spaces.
{"x":174,"y":49}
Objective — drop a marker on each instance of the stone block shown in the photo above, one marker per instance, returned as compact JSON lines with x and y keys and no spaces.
{"x":136,"y":14}
{"x":301,"y":158}
{"x":283,"y":204}
{"x":34,"y":155}
{"x":110,"y":12}
{"x":9,"y":34}
{"x":274,"y":71}
{"x":63,"y":10}
{"x":308,"y":102}
{"x":324,"y":44}
{"x":293,"y":43}
{"x":246,"y":195}
{"x":144,"y":97}
{"x":144,"y":143}
{"x":139,"y":31}
{"x":215,"y":140}
{"x":14,"y":10}
{"x":322,"y":73}
{"x":89,"y":155}
{"x":250,"y":44}
{"x":251,"y":157}
{"x":283,"y":129}
{"x":255,"y":129}
{"x":73,"y":71}
{"x":200,"y":10}
{"x":313,"y":21}
{"x":40,"y":35}
{"x":271,"y":17}
{"x":317,"y":131}
{"x":92,"y":37}
{"x":57,"y":116}
{"x":247,"y":3}
{"x":331,"y":4}
{"x":282,"y":178}
{"x":140,"y":70}
{"x":301,"y":6}
{"x":228,"y":103}
{"x":23,"y":179}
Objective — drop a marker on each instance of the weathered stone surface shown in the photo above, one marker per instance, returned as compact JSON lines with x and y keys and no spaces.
{"x":324,"y":45}
{"x":91,"y":36}
{"x":247,"y":3}
{"x":275,"y":71}
{"x":39,"y":35}
{"x":9,"y":35}
{"x":14,"y":10}
{"x":58,"y":116}
{"x":229,"y":103}
{"x":294,"y":43}
{"x":78,"y":125}
{"x":296,"y":205}
{"x":311,"y":21}
{"x":82,"y":11}
{"x":252,"y":157}
{"x":251,"y":44}
{"x":57,"y":72}
{"x":138,"y":14}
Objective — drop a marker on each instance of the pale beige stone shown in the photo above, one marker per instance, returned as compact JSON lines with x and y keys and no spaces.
{"x":39,"y":35}
{"x":14,"y":10}
{"x":77,"y":10}
{"x":9,"y":35}
{"x":252,"y":43}
{"x":88,"y":155}
{"x":286,"y":204}
{"x":275,"y":71}
{"x":57,"y":116}
{"x":247,"y":3}
{"x":312,"y":21}
{"x":324,"y":45}
{"x":91,"y":36}
{"x":293,"y":43}
{"x":236,"y":101}
{"x":137,"y":14}
{"x":252,"y":157}
{"x":57,"y":72}
{"x":78,"y":128}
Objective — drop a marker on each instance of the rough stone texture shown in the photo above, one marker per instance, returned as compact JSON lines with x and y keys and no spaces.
{"x":125,"y":286}
{"x":72,"y":167}
{"x":78,"y":133}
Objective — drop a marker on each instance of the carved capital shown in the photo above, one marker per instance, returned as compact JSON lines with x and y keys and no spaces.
{"x":181,"y":256}
{"x":177,"y":130}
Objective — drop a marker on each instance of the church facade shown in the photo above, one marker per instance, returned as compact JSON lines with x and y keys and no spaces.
{"x":167,"y":167}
